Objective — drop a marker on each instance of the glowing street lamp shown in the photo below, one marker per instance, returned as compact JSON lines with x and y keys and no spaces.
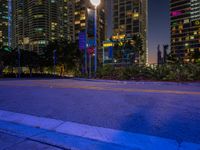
{"x":96,"y":3}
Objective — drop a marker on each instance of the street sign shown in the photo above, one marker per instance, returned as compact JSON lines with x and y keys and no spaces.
{"x":82,"y":40}
{"x":110,"y":52}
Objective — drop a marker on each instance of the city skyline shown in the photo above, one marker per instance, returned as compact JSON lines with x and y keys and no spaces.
{"x":157,"y":14}
{"x":35,"y":24}
{"x":158,"y":26}
{"x":130,"y":18}
{"x":100,"y":74}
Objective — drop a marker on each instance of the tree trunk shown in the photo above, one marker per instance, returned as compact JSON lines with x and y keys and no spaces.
{"x":30,"y":69}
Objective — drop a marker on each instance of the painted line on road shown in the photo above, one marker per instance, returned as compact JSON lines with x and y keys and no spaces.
{"x":118,"y":137}
{"x":105,"y":88}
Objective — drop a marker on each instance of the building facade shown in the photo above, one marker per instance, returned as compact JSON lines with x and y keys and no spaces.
{"x":82,"y":11}
{"x":185,"y":28}
{"x":130,"y":18}
{"x":36,"y":22}
{"x":5,"y":22}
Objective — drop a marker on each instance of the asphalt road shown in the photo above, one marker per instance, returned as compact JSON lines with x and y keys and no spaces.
{"x":168,"y":110}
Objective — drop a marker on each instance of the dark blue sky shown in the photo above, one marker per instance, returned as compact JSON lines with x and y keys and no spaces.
{"x":159,"y":26}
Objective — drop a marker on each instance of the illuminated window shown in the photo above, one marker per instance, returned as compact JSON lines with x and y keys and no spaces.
{"x":180,"y":26}
{"x":82,"y":24}
{"x":187,"y":21}
{"x":77,"y":22}
{"x":38,"y":16}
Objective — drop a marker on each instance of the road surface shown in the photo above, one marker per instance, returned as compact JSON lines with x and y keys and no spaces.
{"x":168,"y":110}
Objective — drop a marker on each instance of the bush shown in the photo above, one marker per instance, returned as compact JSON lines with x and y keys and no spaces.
{"x":167,"y":72}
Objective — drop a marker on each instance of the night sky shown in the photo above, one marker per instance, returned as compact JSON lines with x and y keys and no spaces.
{"x":159,"y":26}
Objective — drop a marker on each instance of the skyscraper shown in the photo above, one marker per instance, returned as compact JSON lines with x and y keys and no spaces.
{"x":129,"y":18}
{"x":185,"y":28}
{"x":35,"y":23}
{"x":108,"y":16}
{"x":5,"y":22}
{"x":82,"y":12}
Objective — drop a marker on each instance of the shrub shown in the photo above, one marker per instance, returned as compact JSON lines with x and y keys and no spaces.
{"x":167,"y":72}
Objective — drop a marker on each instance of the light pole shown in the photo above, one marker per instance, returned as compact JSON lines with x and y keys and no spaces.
{"x":96,"y":3}
{"x":54,"y":63}
{"x":19,"y":61}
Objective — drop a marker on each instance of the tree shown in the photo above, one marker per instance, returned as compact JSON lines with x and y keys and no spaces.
{"x":47,"y":54}
{"x":118,"y":54}
{"x":67,"y":54}
{"x":137,"y":49}
{"x":4,"y":59}
{"x":73,"y":57}
{"x":196,"y":56}
{"x":29,"y":59}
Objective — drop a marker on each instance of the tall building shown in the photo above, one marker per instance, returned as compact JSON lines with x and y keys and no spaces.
{"x":185,"y":28}
{"x":159,"y":56}
{"x":82,"y":12}
{"x":108,"y":16}
{"x":129,"y":18}
{"x":36,"y":22}
{"x":5,"y":22}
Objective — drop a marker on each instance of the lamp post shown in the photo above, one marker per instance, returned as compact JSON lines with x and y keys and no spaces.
{"x":54,"y":63}
{"x":19,"y":61}
{"x":95,"y":3}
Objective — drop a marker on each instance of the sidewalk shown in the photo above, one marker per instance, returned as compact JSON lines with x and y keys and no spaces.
{"x":12,"y":142}
{"x":22,"y":131}
{"x":23,"y":137}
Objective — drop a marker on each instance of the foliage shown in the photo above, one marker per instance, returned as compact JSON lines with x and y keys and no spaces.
{"x":167,"y":72}
{"x":69,"y":56}
{"x":128,"y":49}
{"x":66,"y":54}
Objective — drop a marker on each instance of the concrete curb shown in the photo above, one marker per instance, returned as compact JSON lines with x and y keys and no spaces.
{"x":56,"y":130}
{"x":139,"y":82}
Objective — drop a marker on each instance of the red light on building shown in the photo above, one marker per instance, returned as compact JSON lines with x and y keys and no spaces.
{"x":176,"y":13}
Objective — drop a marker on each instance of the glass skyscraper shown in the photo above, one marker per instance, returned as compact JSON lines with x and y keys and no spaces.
{"x":36,"y":22}
{"x":129,"y":18}
{"x":185,"y":28}
{"x":5,"y":22}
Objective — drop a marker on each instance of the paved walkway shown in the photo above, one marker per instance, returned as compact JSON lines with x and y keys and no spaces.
{"x":13,"y":142}
{"x":162,"y":110}
{"x":32,"y":131}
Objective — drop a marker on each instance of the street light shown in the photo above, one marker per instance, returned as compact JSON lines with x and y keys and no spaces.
{"x":96,"y":3}
{"x":54,"y":63}
{"x":19,"y":61}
